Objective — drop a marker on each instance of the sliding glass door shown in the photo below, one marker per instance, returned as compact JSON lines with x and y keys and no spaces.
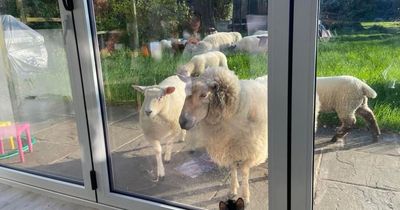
{"x":44,"y":140}
{"x":140,"y":47}
{"x":360,"y":168}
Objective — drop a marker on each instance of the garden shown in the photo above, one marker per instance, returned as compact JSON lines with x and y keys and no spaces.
{"x":372,"y":53}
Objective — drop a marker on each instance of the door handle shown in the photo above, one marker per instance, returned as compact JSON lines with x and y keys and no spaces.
{"x":68,"y":4}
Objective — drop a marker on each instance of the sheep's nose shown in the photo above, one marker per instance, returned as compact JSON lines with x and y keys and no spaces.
{"x":148,"y":112}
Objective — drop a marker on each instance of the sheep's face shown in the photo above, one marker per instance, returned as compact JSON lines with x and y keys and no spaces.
{"x":195,"y":108}
{"x":154,"y":98}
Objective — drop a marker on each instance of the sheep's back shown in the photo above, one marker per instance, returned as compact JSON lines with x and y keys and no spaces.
{"x":335,"y":93}
{"x":222,"y":39}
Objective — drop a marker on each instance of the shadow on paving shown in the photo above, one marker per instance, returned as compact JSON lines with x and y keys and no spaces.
{"x":136,"y":174}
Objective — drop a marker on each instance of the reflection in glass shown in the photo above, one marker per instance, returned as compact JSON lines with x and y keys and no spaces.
{"x":37,"y":119}
{"x":143,"y":45}
{"x":359,"y":168}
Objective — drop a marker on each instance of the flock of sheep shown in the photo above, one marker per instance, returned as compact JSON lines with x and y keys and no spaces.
{"x":229,"y":116}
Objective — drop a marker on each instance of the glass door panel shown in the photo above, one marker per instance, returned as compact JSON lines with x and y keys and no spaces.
{"x":357,"y":163}
{"x":37,"y":112}
{"x":142,"y":43}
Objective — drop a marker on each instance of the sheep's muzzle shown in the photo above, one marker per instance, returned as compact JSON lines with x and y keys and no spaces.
{"x":186,"y":122}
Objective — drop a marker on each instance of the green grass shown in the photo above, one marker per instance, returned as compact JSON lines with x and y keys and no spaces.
{"x":121,"y":70}
{"x":372,"y":54}
{"x":394,"y":24}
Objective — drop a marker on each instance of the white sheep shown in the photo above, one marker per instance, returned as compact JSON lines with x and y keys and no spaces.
{"x":253,"y":44}
{"x":213,"y":42}
{"x":222,"y":40}
{"x":230,"y":116}
{"x":347,"y":96}
{"x":199,"y":63}
{"x":159,"y":116}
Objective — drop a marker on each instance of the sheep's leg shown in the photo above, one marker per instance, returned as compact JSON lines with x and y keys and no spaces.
{"x":347,"y":125}
{"x":160,"y":165}
{"x":245,"y":168}
{"x":168,"y":146}
{"x":366,"y":113}
{"x":234,"y":181}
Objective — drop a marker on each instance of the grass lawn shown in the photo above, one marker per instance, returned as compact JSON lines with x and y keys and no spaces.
{"x":372,"y":54}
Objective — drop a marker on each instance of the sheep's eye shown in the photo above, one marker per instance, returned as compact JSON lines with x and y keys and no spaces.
{"x":203,"y":95}
{"x":159,"y":98}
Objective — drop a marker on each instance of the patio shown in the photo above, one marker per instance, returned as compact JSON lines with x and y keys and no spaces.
{"x":360,"y":175}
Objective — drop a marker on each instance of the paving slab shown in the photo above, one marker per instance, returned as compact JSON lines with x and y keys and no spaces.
{"x":332,"y":195}
{"x":134,"y":171}
{"x":359,"y":174}
{"x":64,"y":133}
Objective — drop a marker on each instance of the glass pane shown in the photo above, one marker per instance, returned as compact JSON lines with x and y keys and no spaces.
{"x":35,"y":92}
{"x":357,"y":165}
{"x":144,"y":43}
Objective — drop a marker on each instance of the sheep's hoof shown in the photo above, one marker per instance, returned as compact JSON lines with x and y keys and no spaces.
{"x":167,"y":161}
{"x":334,"y":139}
{"x":158,"y":179}
{"x":192,"y":151}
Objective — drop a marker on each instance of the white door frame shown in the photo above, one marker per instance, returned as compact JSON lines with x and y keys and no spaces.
{"x":305,"y":17}
{"x":291,"y":93}
{"x":278,"y":109}
{"x":49,"y":182}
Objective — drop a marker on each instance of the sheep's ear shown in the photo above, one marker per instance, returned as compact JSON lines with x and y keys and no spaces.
{"x":169,"y":90}
{"x":139,"y":88}
{"x":239,"y":204}
{"x":223,"y":206}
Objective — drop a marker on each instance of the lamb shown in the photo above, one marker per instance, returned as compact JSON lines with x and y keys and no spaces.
{"x":347,"y":96}
{"x":198,"y":63}
{"x":253,"y":44}
{"x":212,"y":42}
{"x":159,"y":116}
{"x":231,"y":118}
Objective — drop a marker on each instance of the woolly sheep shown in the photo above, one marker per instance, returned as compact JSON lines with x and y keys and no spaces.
{"x":222,"y":40}
{"x":199,"y":63}
{"x":253,"y":44}
{"x":231,"y":116}
{"x":347,"y":96}
{"x":212,"y":42}
{"x":159,"y":116}
{"x":316,"y":111}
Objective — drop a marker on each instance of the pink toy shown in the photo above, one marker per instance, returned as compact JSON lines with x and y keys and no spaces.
{"x":16,"y":130}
